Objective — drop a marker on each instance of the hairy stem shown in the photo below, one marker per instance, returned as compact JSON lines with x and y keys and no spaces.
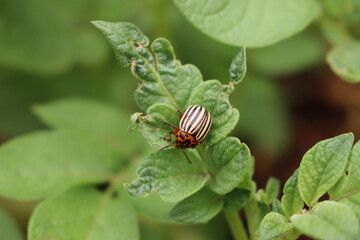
{"x":236,"y":225}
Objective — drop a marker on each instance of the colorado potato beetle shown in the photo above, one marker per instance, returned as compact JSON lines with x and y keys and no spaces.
{"x":193,"y":128}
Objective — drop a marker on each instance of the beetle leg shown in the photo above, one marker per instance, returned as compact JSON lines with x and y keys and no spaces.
{"x":169,"y":140}
{"x":186,"y":155}
{"x":170,"y":125}
{"x":172,"y":145}
{"x":180,"y":113}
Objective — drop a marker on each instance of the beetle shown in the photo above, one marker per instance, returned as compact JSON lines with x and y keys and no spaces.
{"x":193,"y":128}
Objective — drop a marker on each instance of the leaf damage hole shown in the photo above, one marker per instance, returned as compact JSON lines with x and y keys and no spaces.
{"x":347,"y":173}
{"x":102,"y":186}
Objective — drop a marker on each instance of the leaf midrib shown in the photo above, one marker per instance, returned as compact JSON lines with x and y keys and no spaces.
{"x":183,"y":175}
{"x":158,"y":78}
{"x":335,"y":226}
{"x":104,"y":202}
{"x":322,"y":174}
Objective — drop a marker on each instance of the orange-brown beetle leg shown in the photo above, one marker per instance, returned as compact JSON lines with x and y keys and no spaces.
{"x":169,"y":140}
{"x":170,"y":125}
{"x":180,"y":113}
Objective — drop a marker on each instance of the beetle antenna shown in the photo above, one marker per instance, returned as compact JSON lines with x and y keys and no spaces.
{"x":172,"y":145}
{"x":186,"y":155}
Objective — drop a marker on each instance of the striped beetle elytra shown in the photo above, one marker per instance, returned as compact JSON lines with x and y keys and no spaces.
{"x":193,"y":128}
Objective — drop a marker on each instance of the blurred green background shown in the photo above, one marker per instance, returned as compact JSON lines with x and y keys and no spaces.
{"x":288,"y":101}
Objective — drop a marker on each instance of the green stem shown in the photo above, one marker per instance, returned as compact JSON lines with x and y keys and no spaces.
{"x":236,"y":225}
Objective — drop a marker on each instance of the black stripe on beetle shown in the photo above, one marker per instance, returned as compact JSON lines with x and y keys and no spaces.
{"x":194,"y":126}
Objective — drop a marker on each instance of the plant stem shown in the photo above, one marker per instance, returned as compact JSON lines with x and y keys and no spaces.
{"x":236,"y":225}
{"x":347,"y":195}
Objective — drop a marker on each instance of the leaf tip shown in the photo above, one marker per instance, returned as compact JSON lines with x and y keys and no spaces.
{"x":137,"y":189}
{"x":238,"y":66}
{"x":96,"y":23}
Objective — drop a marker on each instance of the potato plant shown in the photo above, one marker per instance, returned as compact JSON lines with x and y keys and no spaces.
{"x":97,"y":168}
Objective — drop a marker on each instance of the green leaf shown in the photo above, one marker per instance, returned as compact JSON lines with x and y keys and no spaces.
{"x":84,"y":213}
{"x":350,"y":182}
{"x":228,"y":162}
{"x":91,"y":117}
{"x":174,"y":81}
{"x":169,"y":173}
{"x":124,"y":38}
{"x":272,"y":190}
{"x":249,"y":23}
{"x":38,"y":164}
{"x":198,"y":208}
{"x":237,"y":70}
{"x":255,"y":211}
{"x":276,"y":207}
{"x":152,"y":126}
{"x":291,"y":201}
{"x":328,"y":221}
{"x":334,"y":31}
{"x":210,"y":95}
{"x":238,"y":67}
{"x":344,"y":60}
{"x":307,"y":50}
{"x":164,"y":79}
{"x":153,"y":207}
{"x":322,"y":166}
{"x":236,"y":199}
{"x":8,"y":228}
{"x":248,"y":183}
{"x":335,"y":8}
{"x":273,"y":225}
